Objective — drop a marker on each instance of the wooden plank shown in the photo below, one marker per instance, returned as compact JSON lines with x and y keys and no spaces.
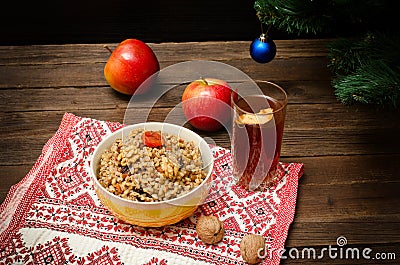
{"x":11,"y":175}
{"x":357,"y":201}
{"x":318,"y":170}
{"x":322,"y":214}
{"x":380,"y":254}
{"x":21,"y":148}
{"x":50,"y":99}
{"x":237,"y":50}
{"x":299,"y":117}
{"x":348,"y":202}
{"x":324,"y":234}
{"x":361,"y":132}
{"x":82,"y":65}
{"x":165,"y":52}
{"x":353,"y":169}
{"x":91,"y":74}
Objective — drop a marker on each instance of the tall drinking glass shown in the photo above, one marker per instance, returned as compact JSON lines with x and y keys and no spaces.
{"x":258,"y":123}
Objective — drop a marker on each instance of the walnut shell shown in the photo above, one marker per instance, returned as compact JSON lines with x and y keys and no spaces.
{"x":250,"y":246}
{"x":210,"y":229}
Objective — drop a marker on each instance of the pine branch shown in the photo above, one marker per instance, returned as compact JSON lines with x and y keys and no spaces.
{"x":375,"y":83}
{"x":317,"y":16}
{"x":292,"y":16}
{"x":346,"y":55}
{"x":368,"y":68}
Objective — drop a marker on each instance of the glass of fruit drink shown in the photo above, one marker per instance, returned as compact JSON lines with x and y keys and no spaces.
{"x":258,"y":123}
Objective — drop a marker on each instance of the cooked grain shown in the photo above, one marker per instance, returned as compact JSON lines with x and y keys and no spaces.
{"x":137,"y":172}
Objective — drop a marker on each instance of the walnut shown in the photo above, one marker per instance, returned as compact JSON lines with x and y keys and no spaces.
{"x":252,"y":248}
{"x":210,"y":229}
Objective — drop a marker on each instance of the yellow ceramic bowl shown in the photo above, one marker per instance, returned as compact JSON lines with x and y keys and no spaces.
{"x":154,"y":214}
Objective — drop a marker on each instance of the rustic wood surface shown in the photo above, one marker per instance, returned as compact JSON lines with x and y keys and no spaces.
{"x":351,"y":154}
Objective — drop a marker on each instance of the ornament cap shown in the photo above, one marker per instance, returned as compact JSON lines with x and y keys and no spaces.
{"x":263,"y":37}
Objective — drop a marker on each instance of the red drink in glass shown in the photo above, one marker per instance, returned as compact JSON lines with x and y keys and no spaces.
{"x":258,"y":125}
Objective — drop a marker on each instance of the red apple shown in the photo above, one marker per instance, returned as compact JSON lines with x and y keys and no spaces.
{"x":206,"y":103}
{"x":129,"y":65}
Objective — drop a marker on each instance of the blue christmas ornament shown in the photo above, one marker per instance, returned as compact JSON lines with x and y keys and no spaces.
{"x":263,"y":49}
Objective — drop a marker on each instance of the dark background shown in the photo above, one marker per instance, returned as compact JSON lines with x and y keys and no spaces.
{"x":103,"y":21}
{"x":88,"y":21}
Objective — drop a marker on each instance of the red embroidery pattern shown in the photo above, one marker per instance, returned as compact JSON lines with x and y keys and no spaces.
{"x":12,"y":252}
{"x":50,"y":253}
{"x":155,"y":261}
{"x":63,"y":201}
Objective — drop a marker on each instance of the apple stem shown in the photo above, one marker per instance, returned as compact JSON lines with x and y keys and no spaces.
{"x":108,"y":48}
{"x":204,"y":80}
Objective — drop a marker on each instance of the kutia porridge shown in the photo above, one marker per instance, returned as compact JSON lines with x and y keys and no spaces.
{"x":150,"y":166}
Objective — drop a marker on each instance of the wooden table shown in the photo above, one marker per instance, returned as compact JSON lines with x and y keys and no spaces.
{"x":351,"y":185}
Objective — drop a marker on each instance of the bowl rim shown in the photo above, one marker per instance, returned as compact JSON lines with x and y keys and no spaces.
{"x":170,"y":201}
